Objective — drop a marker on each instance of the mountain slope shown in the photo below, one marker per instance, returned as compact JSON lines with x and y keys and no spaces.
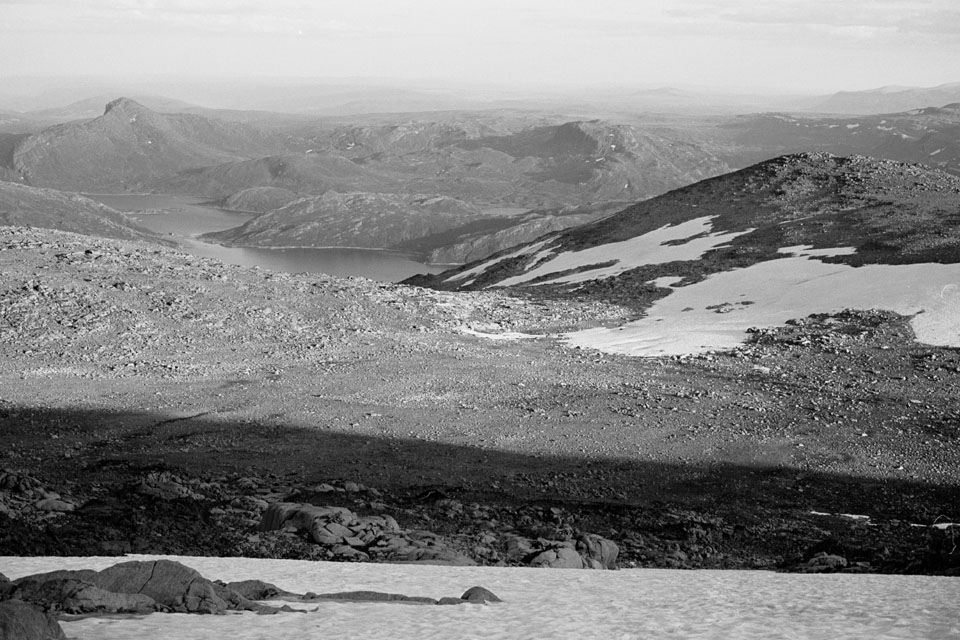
{"x":752,"y":242}
{"x":129,"y":146}
{"x":470,"y":243}
{"x":351,"y":220}
{"x":308,"y":174}
{"x":21,"y":205}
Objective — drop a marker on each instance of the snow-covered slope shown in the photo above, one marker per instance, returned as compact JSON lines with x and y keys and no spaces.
{"x":802,"y":234}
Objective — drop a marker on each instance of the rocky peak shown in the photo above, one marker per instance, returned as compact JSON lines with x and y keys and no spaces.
{"x":124,"y":105}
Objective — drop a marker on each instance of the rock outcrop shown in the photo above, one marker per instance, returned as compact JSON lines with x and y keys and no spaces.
{"x":131,"y":587}
{"x":22,"y":621}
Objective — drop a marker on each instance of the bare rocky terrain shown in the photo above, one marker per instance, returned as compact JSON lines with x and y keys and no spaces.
{"x":157,"y":402}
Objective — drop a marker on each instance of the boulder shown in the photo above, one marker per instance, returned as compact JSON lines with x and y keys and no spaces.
{"x":136,"y":586}
{"x":165,"y":486}
{"x":374,"y":596}
{"x":170,"y":583}
{"x":53,"y":504}
{"x":824,"y":562}
{"x":597,"y":552}
{"x":479,"y":594}
{"x":558,"y":558}
{"x":415,"y":554}
{"x":303,"y":517}
{"x":257,"y":590}
{"x":22,"y":621}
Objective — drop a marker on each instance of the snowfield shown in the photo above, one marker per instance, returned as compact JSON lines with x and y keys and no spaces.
{"x":714,"y":314}
{"x":543,"y":603}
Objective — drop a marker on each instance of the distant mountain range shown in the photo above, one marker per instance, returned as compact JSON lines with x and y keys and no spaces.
{"x":889,"y":99}
{"x":930,"y":136}
{"x":545,"y":166}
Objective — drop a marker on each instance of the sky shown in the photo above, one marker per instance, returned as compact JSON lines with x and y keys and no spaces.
{"x":798,"y":45}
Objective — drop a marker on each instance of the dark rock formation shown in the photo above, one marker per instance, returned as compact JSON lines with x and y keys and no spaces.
{"x":22,"y":621}
{"x":136,"y":586}
{"x":479,"y":594}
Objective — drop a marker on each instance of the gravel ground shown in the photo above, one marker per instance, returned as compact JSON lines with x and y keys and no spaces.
{"x":120,"y":357}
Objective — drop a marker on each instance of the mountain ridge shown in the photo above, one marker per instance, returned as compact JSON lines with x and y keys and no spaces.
{"x":129,"y":146}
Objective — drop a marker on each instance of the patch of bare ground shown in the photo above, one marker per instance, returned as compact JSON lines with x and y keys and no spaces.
{"x":119,"y":360}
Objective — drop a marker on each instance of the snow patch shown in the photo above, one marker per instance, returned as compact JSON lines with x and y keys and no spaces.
{"x":714,"y":315}
{"x":503,"y":335}
{"x":477,"y":270}
{"x":650,"y":248}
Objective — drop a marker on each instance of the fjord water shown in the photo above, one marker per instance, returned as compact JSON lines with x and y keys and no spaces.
{"x":184,"y":218}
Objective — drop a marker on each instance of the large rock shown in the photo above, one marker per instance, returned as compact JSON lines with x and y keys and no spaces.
{"x":78,"y":597}
{"x":597,"y":552}
{"x":171,"y":584}
{"x":374,"y":596}
{"x":257,"y":590}
{"x":558,"y":558}
{"x":22,"y":621}
{"x":350,"y":537}
{"x":165,"y":486}
{"x":157,"y":585}
{"x":479,"y":594}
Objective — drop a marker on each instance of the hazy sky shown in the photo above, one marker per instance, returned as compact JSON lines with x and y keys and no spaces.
{"x":819,"y":45}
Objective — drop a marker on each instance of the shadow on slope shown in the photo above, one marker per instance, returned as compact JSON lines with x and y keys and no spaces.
{"x":712,"y":515}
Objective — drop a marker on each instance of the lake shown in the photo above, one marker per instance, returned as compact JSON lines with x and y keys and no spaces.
{"x":183,"y":218}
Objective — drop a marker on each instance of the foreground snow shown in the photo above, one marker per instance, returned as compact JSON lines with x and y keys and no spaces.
{"x":540,"y":603}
